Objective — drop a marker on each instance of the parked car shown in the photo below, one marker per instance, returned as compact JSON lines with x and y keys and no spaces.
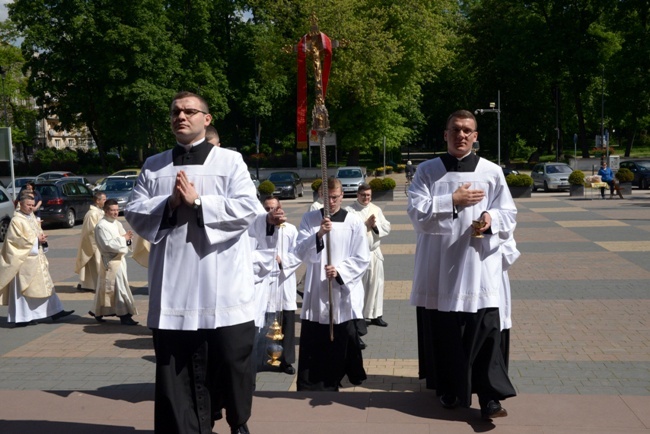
{"x":118,"y":188}
{"x":18,"y":184}
{"x":641,"y":171}
{"x":82,"y":180}
{"x":53,"y":175}
{"x":255,"y":180}
{"x":551,"y":176}
{"x":287,"y":184}
{"x":127,"y":172}
{"x":351,"y":178}
{"x":64,"y":201}
{"x":507,"y":171}
{"x":7,"y":209}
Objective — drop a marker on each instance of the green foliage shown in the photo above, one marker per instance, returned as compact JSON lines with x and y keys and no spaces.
{"x":316,"y":184}
{"x":624,"y":175}
{"x":400,"y":168}
{"x":266,"y":188}
{"x":577,"y":177}
{"x":382,"y":184}
{"x":520,"y":180}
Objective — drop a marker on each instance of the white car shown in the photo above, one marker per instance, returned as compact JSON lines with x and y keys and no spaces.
{"x":351,"y":178}
{"x":7,"y":210}
{"x":19,"y":183}
{"x":551,"y":176}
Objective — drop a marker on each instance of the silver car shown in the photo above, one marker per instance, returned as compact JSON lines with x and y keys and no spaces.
{"x":551,"y":176}
{"x":118,"y":188}
{"x":351,"y":178}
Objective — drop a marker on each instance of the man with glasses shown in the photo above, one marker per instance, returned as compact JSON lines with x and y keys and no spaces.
{"x":458,"y":270}
{"x":194,"y":204}
{"x":322,"y":362}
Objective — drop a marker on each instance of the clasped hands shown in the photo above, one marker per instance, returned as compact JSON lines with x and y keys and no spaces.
{"x":184,"y":192}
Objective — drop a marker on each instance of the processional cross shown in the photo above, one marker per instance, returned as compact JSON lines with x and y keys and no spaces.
{"x":319,"y":46}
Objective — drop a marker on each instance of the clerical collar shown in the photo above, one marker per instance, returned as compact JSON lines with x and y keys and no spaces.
{"x":339,"y":217}
{"x":362,"y":206}
{"x":109,"y":218}
{"x":466,"y":164}
{"x":191,"y":145}
{"x":197,"y":154}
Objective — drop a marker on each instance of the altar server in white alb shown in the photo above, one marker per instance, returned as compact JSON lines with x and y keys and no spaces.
{"x":113,"y":296}
{"x":25,"y":282}
{"x":88,"y":257}
{"x":282,"y":239}
{"x":457,"y":282}
{"x":323,"y":363}
{"x":194,"y":204}
{"x":377,"y":227}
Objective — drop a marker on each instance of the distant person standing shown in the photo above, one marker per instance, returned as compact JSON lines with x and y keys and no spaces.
{"x":113,"y":295}
{"x":606,"y":175}
{"x":30,"y":188}
{"x":377,"y":227}
{"x":25,"y":282}
{"x":88,"y":256}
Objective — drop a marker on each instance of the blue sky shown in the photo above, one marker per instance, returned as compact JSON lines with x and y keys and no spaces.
{"x":3,"y":9}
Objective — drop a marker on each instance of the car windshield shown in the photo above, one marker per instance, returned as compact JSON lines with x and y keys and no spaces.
{"x":558,"y":168}
{"x":643,"y":165}
{"x":117,"y":185}
{"x":349,"y":173}
{"x":280,"y":177}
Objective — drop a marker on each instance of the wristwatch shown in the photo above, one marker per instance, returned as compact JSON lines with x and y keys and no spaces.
{"x":197,"y":203}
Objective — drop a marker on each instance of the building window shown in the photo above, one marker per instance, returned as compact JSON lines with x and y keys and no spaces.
{"x":57,"y":143}
{"x":71,"y":143}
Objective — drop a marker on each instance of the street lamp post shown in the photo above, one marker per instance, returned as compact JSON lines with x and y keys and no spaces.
{"x":496,"y":110}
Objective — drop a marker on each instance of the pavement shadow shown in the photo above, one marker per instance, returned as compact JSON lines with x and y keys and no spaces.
{"x":50,"y":427}
{"x":417,"y":405}
{"x":132,"y":393}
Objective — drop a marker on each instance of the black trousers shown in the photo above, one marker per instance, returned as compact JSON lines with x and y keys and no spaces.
{"x":462,"y":353}
{"x":289,"y":341}
{"x":200,"y":372}
{"x":323,"y":363}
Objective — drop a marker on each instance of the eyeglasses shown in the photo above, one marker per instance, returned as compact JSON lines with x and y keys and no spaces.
{"x":465,"y":131}
{"x":188,"y":112}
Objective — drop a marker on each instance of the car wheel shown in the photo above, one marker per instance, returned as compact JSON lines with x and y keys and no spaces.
{"x":70,"y":218}
{"x":4,"y":227}
{"x":546,"y":187}
{"x":643,"y":184}
{"x":302,"y":191}
{"x":534,"y":187}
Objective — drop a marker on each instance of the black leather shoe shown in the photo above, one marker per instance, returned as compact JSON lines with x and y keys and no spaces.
{"x":379,"y":322}
{"x":362,"y":344}
{"x":288,"y":369}
{"x":63,"y":313}
{"x":242,"y":429}
{"x":98,"y":318}
{"x":127,"y":320}
{"x":449,"y":401}
{"x":493,"y":409}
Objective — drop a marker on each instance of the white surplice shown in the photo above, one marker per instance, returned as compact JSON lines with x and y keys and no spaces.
{"x":199,"y":277}
{"x":350,"y":256}
{"x":113,"y":295}
{"x":443,"y":241}
{"x":373,"y":279}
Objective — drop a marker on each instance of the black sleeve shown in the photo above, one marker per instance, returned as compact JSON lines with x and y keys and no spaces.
{"x":169,"y":219}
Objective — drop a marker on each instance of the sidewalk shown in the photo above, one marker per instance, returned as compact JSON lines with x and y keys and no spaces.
{"x":580,"y":352}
